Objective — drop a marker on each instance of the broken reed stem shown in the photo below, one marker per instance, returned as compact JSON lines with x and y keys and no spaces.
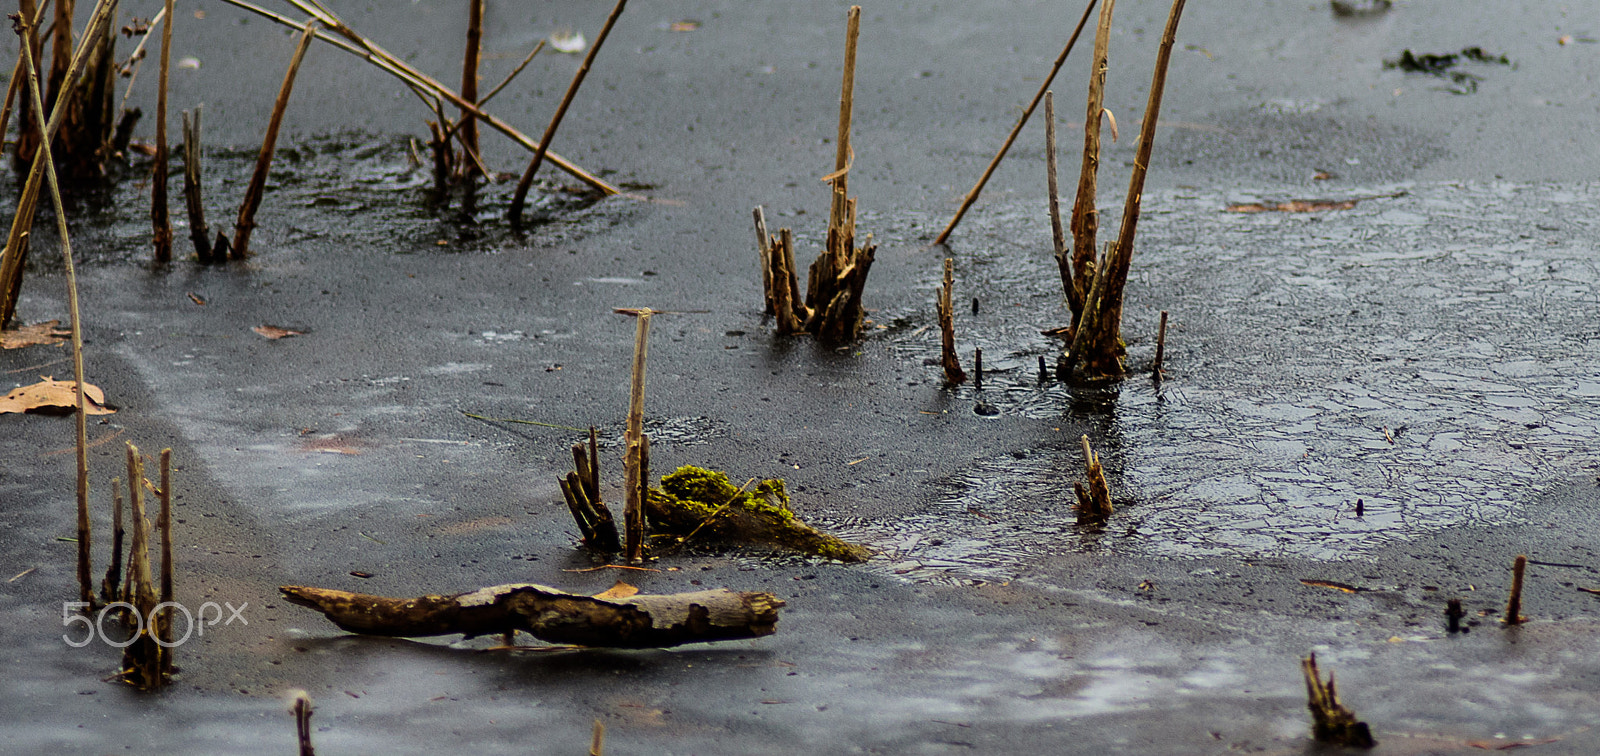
{"x":1161,"y":346}
{"x":81,"y":426}
{"x":521,"y":196}
{"x":164,"y":496}
{"x":469,"y":86}
{"x":415,"y":80}
{"x":1112,"y":308}
{"x":507,"y":80}
{"x":1094,"y":500}
{"x":1331,"y":721}
{"x":972,"y":196}
{"x":597,"y":741}
{"x":947,"y":327}
{"x":1514,"y":605}
{"x":110,"y":587}
{"x":302,"y":723}
{"x":847,"y":98}
{"x":161,"y":231}
{"x":977,"y":369}
{"x":636,"y":443}
{"x":258,"y":181}
{"x":1058,"y":235}
{"x":143,"y":665}
{"x":192,"y":199}
{"x":1085,"y":210}
{"x":16,"y":249}
{"x":764,"y":245}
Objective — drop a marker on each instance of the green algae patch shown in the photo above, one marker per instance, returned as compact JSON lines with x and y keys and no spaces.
{"x":706,"y":505}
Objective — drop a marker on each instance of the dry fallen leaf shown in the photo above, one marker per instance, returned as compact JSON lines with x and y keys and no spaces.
{"x":275,"y":333}
{"x":48,"y":332}
{"x":619,"y":591}
{"x":55,"y":397}
{"x":1292,"y":206}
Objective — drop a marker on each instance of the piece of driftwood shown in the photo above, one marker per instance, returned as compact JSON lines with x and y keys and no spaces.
{"x":698,"y":504}
{"x":1331,"y":721}
{"x":639,"y":621}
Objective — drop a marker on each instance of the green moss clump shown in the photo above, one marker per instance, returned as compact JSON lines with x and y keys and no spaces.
{"x":691,"y":496}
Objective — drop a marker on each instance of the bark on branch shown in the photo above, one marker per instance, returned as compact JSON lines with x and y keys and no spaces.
{"x":641,"y":621}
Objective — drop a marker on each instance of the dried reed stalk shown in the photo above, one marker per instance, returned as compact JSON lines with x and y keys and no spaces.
{"x":161,"y":232}
{"x":972,"y":196}
{"x":258,"y":180}
{"x":520,"y":198}
{"x":947,"y":327}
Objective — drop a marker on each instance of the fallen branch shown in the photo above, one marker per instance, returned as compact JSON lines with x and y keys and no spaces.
{"x":640,"y":621}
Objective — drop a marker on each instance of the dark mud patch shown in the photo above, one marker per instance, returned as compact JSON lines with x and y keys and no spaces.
{"x":344,"y":189}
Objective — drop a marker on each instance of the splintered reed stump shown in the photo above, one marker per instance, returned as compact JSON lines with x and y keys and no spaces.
{"x":947,"y":328}
{"x":1514,"y":604}
{"x":832,"y":310}
{"x":1094,"y":499}
{"x":1331,"y":722}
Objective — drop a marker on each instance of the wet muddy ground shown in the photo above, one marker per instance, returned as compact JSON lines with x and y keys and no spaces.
{"x":1432,"y":354}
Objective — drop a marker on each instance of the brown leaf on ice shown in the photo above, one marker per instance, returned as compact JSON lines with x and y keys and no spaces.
{"x":46,"y":333}
{"x":273,"y":332}
{"x":619,"y":591}
{"x":1293,"y":206}
{"x":53,"y":397}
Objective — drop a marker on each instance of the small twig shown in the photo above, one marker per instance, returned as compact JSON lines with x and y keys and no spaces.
{"x":161,"y":231}
{"x":258,"y":181}
{"x":521,"y":196}
{"x":977,"y":188}
{"x":597,"y":741}
{"x":502,"y":85}
{"x":522,"y":422}
{"x":1514,"y":605}
{"x":720,"y":510}
{"x":615,"y":567}
{"x":1161,"y":346}
{"x":137,"y":56}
